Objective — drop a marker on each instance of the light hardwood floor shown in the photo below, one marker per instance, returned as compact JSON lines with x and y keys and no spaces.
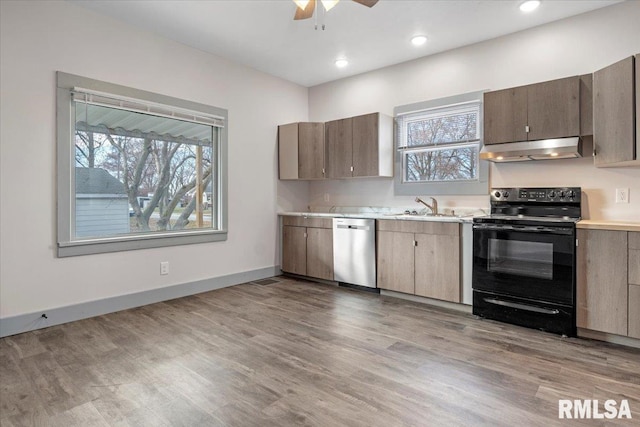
{"x":297,"y":353}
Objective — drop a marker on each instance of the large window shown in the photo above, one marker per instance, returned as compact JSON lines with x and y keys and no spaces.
{"x":136,"y":169}
{"x":438,"y":144}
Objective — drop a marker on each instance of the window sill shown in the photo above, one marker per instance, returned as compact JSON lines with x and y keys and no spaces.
{"x":128,"y":243}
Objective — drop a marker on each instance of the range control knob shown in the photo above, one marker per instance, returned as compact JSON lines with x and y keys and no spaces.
{"x":571,"y":194}
{"x":562,"y":194}
{"x":505,"y":194}
{"x":552,"y":194}
{"x":497,"y":194}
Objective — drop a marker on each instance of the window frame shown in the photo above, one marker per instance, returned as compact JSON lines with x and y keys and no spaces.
{"x":67,"y":245}
{"x":479,"y":186}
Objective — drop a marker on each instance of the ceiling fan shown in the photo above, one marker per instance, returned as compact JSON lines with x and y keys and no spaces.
{"x":306,"y":7}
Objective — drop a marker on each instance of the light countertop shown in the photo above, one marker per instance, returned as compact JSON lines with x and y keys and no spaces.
{"x":381,"y":216}
{"x":591,"y":224}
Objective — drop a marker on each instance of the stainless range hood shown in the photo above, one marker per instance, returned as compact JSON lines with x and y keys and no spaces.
{"x":545,"y":149}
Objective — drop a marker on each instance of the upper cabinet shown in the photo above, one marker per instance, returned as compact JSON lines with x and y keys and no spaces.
{"x":339,"y":152}
{"x":615,"y":114}
{"x":533,"y":112}
{"x":360,"y":146}
{"x":301,"y":151}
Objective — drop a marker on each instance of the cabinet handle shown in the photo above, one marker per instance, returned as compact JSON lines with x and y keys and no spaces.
{"x":526,"y":129}
{"x":351,"y":168}
{"x":305,"y":234}
{"x":415,"y":243}
{"x":322,"y":171}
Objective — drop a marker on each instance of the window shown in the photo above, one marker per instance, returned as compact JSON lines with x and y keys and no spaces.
{"x":136,"y":169}
{"x":438,"y":145}
{"x":441,"y":144}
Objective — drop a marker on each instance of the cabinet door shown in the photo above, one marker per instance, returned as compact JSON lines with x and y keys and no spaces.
{"x":320,"y":253}
{"x":634,"y":258}
{"x":311,"y":150}
{"x":294,"y":250}
{"x":602,"y":281}
{"x":338,"y":148}
{"x":614,"y":113}
{"x":553,"y":109}
{"x":634,"y":284}
{"x":395,"y":261}
{"x":288,"y":151}
{"x":365,"y":145}
{"x":634,"y":311}
{"x":437,"y":264}
{"x":505,"y":115}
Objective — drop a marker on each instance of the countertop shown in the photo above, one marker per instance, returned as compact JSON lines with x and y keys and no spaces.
{"x":465,"y":219}
{"x":591,"y":224}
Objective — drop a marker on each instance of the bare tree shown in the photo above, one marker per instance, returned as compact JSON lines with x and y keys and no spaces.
{"x":447,"y":162}
{"x":163,"y":171}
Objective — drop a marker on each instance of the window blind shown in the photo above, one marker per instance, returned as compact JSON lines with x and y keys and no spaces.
{"x":131,"y":104}
{"x":449,"y":125}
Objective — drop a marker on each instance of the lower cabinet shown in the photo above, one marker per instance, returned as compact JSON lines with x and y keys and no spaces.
{"x":634,"y":284}
{"x":608,"y":281}
{"x":419,"y":258}
{"x":395,"y":261}
{"x":307,"y":246}
{"x":634,"y":311}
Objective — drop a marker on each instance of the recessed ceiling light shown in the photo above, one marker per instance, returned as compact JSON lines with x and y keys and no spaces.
{"x":529,"y":5}
{"x":341,"y":63}
{"x":419,"y":40}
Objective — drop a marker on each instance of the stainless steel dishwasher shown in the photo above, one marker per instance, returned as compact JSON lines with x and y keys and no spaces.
{"x":354,"y":251}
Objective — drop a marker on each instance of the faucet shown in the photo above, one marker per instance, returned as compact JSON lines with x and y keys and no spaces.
{"x":433,"y":206}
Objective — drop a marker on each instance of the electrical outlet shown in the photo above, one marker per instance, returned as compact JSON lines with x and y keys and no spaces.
{"x":622,"y":195}
{"x":164,"y":268}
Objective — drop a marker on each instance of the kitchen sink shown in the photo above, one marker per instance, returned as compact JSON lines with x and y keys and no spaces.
{"x":411,"y":215}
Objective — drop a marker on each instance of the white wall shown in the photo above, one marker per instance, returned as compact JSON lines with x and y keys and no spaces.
{"x":40,"y":37}
{"x":574,"y":46}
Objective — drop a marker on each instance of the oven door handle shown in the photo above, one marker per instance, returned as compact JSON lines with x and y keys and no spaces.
{"x":524,"y":228}
{"x":520,"y":306}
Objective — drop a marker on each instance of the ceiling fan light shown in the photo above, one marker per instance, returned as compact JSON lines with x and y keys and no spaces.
{"x":328,"y":4}
{"x":529,"y":6}
{"x":418,"y":40}
{"x":341,"y":63}
{"x":301,"y":3}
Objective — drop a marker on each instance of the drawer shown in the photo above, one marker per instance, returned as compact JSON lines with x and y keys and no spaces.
{"x":634,"y":240}
{"x":307,"y":221}
{"x":416,"y":226}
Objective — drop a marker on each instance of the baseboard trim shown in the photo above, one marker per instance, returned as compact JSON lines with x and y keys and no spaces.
{"x":463,"y":308}
{"x":610,"y":338}
{"x":31,"y":321}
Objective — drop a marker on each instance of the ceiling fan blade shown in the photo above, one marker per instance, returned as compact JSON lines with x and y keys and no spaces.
{"x":368,"y":3}
{"x":307,"y":12}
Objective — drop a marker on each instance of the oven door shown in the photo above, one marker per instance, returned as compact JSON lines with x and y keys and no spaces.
{"x":532,"y":262}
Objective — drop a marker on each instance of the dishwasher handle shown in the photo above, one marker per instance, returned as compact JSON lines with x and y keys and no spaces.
{"x":353,"y":227}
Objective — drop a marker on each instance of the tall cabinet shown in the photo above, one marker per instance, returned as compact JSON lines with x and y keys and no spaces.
{"x":616,"y":105}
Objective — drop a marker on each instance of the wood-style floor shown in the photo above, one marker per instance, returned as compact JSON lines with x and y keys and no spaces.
{"x":294,"y":353}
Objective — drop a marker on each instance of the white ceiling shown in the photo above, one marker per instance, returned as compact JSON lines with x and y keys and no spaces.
{"x":263,"y":35}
